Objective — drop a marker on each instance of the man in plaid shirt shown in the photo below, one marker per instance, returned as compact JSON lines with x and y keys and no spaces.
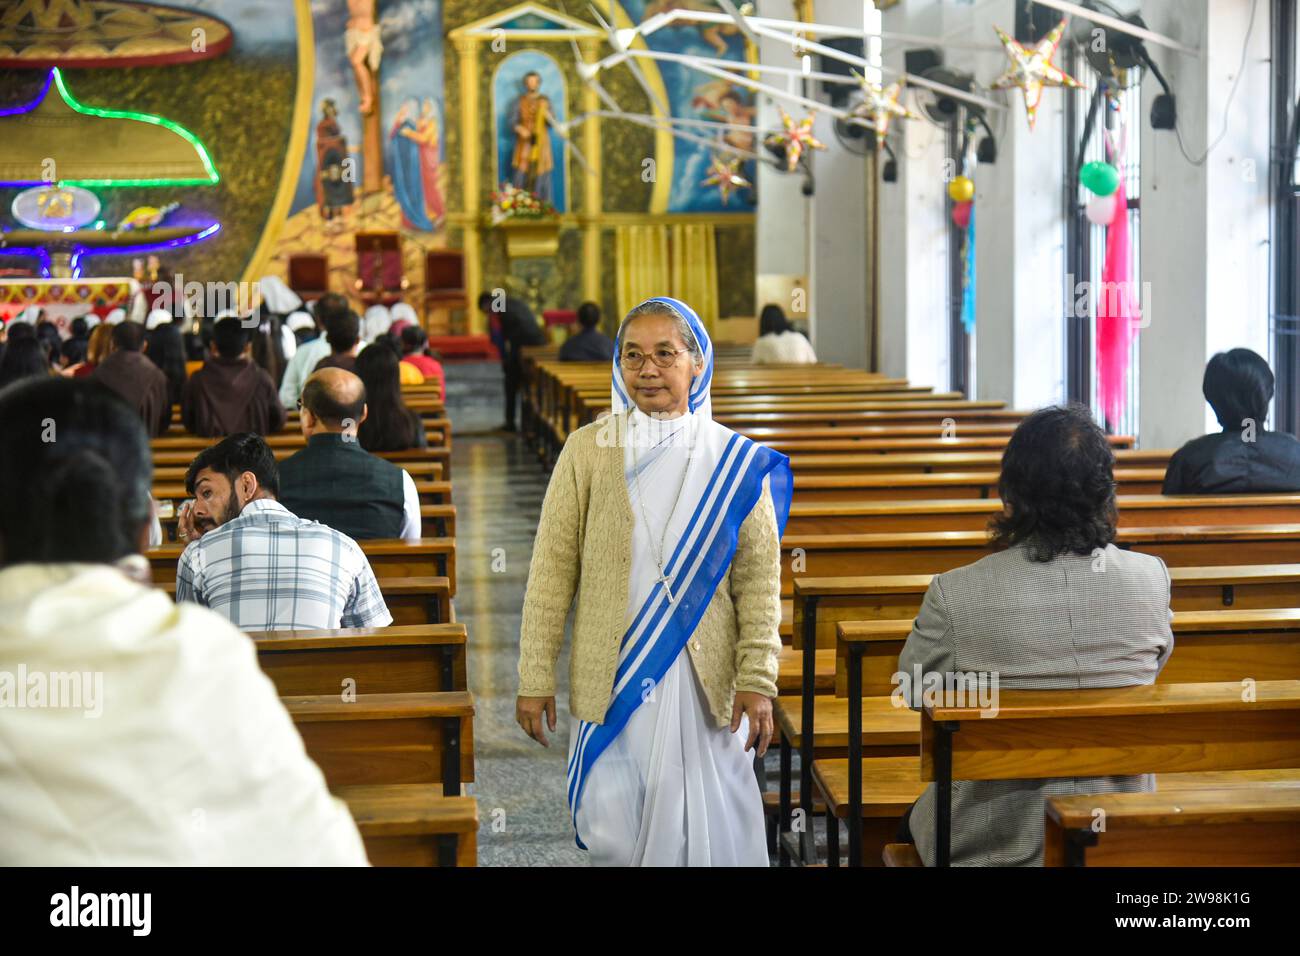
{"x":253,"y":561}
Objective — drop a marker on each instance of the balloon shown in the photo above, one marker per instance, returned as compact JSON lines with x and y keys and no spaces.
{"x":961,"y":189}
{"x":961,"y":214}
{"x":1101,"y":178}
{"x":1100,"y":210}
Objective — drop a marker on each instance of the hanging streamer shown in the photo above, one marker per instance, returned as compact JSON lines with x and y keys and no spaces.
{"x":1117,"y":304}
{"x":968,"y":276}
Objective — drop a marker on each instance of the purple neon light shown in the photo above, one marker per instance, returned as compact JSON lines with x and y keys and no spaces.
{"x":28,"y":107}
{"x":41,"y":255}
{"x":82,"y":251}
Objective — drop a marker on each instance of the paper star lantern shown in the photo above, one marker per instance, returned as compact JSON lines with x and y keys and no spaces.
{"x":1032,"y":68}
{"x":880,"y":105}
{"x":795,"y":137}
{"x":725,"y":174}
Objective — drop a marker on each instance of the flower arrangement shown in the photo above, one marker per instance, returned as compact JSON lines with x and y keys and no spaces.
{"x":512,"y":202}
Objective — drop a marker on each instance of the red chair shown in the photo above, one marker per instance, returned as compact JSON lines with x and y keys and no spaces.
{"x":559,"y":318}
{"x":444,"y":288}
{"x":309,"y":275}
{"x":379,"y":268}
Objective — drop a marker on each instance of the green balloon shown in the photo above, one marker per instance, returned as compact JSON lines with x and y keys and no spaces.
{"x":1101,"y":178}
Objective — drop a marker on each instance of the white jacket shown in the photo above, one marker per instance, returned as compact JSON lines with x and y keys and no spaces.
{"x":177,"y":752}
{"x":787,"y":347}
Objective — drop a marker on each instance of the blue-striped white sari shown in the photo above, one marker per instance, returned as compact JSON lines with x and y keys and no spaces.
{"x":723,"y":480}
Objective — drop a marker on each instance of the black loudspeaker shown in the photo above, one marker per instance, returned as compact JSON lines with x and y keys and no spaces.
{"x":916,"y":62}
{"x":1034,"y":21}
{"x":838,"y":93}
{"x":1164,"y":114}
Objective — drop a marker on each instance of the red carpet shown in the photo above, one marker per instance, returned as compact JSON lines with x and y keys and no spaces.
{"x":464,"y":348}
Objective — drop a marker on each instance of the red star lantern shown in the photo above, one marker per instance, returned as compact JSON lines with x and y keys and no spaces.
{"x":1032,"y":68}
{"x":796,"y":137}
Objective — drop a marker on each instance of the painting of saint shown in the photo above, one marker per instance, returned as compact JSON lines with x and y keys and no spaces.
{"x":413,"y":164}
{"x":528,"y":106}
{"x":334,"y":176}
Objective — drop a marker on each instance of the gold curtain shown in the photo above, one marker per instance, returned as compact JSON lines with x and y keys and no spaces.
{"x":679,"y":260}
{"x":694,"y":276}
{"x":642,"y":254}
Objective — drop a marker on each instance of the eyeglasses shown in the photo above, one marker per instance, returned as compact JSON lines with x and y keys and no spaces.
{"x":634,"y":359}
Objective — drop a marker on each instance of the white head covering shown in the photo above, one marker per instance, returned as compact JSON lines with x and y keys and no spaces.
{"x":116,"y":317}
{"x":156,"y":318}
{"x":92,"y":320}
{"x":376,"y":322}
{"x":28,"y":315}
{"x":278,"y":297}
{"x":403,"y":311}
{"x":299,"y":322}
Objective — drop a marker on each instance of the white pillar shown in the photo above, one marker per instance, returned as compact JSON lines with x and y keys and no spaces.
{"x":782,"y":236}
{"x":1204,"y":254}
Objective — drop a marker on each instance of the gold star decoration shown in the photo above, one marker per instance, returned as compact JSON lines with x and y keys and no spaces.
{"x":880,"y":105}
{"x":725,"y":174}
{"x":1032,"y":68}
{"x":795,"y":137}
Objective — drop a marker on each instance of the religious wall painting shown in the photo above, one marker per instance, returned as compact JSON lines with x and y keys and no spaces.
{"x":412,"y":111}
{"x":695,"y":95}
{"x":529,"y":99}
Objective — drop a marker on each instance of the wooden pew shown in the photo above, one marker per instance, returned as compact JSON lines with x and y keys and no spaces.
{"x":436,"y":520}
{"x":400,"y":659}
{"x":1145,"y":511}
{"x":819,"y":487}
{"x":1209,"y":646}
{"x":1163,"y":728}
{"x":389,"y":738}
{"x":1241,"y":826}
{"x":414,"y":824}
{"x":413,"y":600}
{"x":429,"y":557}
{"x":934,"y":462}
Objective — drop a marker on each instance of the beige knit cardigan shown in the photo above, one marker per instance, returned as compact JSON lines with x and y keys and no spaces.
{"x":584,"y":547}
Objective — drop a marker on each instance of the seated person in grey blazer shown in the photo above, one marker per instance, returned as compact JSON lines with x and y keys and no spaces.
{"x":1058,"y":606}
{"x":1243,"y":457}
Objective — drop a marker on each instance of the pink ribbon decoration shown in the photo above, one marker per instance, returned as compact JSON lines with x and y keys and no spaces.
{"x":1118,"y":312}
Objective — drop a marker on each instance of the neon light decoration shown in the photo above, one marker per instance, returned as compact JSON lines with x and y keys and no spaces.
{"x":56,"y":78}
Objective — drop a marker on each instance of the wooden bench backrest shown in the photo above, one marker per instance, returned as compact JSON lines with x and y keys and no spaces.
{"x":391,"y":660}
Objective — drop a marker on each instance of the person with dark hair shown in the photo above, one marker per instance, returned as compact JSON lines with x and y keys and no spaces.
{"x":129,"y":372}
{"x":334,"y":480}
{"x":1057,"y":606}
{"x":343,"y":334}
{"x":518,"y":329}
{"x":72,"y":356}
{"x":590,"y":344}
{"x":1243,"y":457}
{"x":166,"y":349}
{"x":389,"y":424}
{"x":22,"y":359}
{"x":779,"y":342}
{"x":254,"y":561}
{"x":188,"y":721}
{"x":328,"y":308}
{"x":47,"y":333}
{"x":230,"y":394}
{"x":415,"y":352}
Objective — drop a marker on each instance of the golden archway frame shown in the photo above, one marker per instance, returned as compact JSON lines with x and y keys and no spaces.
{"x":469,"y":40}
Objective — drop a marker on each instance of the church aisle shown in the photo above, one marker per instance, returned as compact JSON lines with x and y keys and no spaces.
{"x":519,"y":786}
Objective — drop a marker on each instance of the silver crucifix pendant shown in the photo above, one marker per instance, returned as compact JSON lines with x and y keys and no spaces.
{"x":665,"y":582}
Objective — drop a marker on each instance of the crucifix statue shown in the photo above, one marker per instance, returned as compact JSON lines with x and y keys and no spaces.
{"x":365,"y":49}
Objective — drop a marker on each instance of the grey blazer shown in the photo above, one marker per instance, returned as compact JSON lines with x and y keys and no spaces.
{"x":1073,"y":622}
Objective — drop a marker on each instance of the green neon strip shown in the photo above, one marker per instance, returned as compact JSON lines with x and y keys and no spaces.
{"x":212,"y":177}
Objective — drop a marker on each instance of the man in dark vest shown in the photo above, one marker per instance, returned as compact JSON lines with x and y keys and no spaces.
{"x":337,"y":482}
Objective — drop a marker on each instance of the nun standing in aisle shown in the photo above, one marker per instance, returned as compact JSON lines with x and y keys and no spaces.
{"x":666,"y":527}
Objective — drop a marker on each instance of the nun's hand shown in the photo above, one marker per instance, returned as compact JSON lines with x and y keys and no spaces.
{"x":529,"y":711}
{"x":759,"y":711}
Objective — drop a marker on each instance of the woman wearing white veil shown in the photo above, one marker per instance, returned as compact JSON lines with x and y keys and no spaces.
{"x":666,"y":526}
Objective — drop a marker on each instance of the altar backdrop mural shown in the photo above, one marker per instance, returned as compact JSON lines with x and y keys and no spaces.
{"x":528,"y":91}
{"x":695,"y":95}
